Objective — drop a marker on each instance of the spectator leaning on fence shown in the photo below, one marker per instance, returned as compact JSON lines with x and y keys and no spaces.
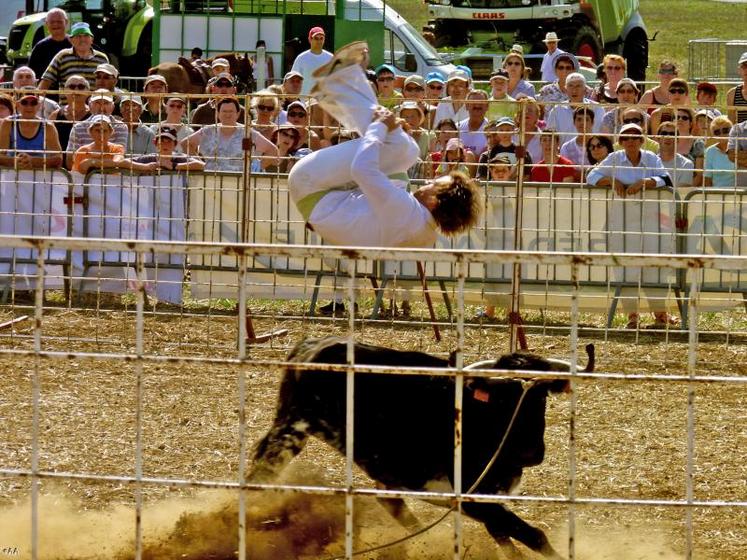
{"x":99,"y":153}
{"x":139,"y":136}
{"x":45,"y":50}
{"x":26,"y":141}
{"x":220,"y":145}
{"x":100,"y":103}
{"x":23,"y":76}
{"x":164,"y":158}
{"x":81,"y":59}
{"x":719,"y":169}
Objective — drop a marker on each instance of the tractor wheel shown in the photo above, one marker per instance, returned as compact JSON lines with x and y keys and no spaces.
{"x":586,"y":42}
{"x":449,"y":33}
{"x":635,"y":52}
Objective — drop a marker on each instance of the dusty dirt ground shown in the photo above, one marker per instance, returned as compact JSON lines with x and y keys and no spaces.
{"x":631,"y":443}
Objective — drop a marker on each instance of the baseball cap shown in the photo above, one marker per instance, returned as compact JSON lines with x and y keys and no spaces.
{"x":222,"y":76}
{"x":458,"y":74}
{"x":131,"y":99}
{"x":100,"y":119}
{"x":154,"y":78}
{"x":743,"y":58}
{"x":631,"y":129}
{"x":627,"y":82}
{"x":297,"y":103}
{"x":454,"y":144}
{"x":81,"y":28}
{"x":315,"y":31}
{"x":415,"y":79}
{"x":103,"y":95}
{"x":434,"y":77}
{"x":501,"y":159}
{"x":384,"y":68}
{"x":220,"y":62}
{"x":499,"y":74}
{"x":292,"y":74}
{"x":504,"y":121}
{"x":411,"y":106}
{"x":167,"y":132}
{"x":107,"y":68}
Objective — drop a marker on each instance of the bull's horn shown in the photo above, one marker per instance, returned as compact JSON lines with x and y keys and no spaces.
{"x":590,"y":364}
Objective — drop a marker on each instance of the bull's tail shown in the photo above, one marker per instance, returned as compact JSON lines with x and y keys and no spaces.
{"x":591,"y":354}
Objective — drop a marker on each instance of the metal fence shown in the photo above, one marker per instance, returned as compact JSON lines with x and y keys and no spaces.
{"x":45,"y":358}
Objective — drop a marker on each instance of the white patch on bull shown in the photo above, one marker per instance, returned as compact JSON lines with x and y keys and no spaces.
{"x":515,"y":486}
{"x":301,"y":426}
{"x":439,"y":485}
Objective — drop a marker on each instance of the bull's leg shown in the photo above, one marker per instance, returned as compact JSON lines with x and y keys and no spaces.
{"x":503,"y":524}
{"x":281,"y":444}
{"x":399,"y":510}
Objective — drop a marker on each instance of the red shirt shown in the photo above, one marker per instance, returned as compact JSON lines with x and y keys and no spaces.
{"x":562,"y":168}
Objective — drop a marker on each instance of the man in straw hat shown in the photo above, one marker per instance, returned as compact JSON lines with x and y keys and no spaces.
{"x":349,"y":193}
{"x":548,"y":61}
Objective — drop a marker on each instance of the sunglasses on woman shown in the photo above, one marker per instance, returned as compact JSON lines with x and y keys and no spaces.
{"x":414,"y":88}
{"x":632,"y":120}
{"x":437,"y":88}
{"x":513,"y":63}
{"x":265,"y":108}
{"x":722,"y":131}
{"x":29,"y":102}
{"x":298,"y":114}
{"x":680,"y":91}
{"x":596,"y":146}
{"x":77,"y":86}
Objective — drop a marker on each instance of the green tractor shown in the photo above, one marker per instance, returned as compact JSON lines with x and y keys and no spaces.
{"x":587,"y":28}
{"x":122,"y":29}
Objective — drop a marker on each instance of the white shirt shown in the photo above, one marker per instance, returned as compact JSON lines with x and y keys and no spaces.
{"x":445,"y":110}
{"x":548,"y":65}
{"x":306,"y":63}
{"x":560,"y":119}
{"x":474,"y":140}
{"x":618,"y":166}
{"x":377,"y":213}
{"x":680,"y":170}
{"x":574,"y":152}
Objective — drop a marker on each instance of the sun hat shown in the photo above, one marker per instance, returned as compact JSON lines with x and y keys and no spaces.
{"x":415,"y":79}
{"x":102,"y":95}
{"x":81,"y":28}
{"x":434,"y":77}
{"x":550,"y":37}
{"x":220,"y":62}
{"x":100,"y":119}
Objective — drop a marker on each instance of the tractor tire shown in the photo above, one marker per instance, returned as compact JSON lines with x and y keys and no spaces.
{"x":635,"y":52}
{"x":585,"y":42}
{"x":449,"y":33}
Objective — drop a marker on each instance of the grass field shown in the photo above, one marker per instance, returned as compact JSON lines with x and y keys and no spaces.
{"x":677,"y":21}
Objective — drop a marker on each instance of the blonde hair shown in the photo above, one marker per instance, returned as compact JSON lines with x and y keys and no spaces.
{"x":720,"y":121}
{"x":615,"y":58}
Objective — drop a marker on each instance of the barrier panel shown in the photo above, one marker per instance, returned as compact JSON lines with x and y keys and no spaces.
{"x":143,"y":207}
{"x":717,"y":225}
{"x":33,"y":203}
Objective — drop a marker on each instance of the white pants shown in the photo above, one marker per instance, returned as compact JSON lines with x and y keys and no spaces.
{"x":331,"y":167}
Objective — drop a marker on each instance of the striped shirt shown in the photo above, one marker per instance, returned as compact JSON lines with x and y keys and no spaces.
{"x":66,"y":63}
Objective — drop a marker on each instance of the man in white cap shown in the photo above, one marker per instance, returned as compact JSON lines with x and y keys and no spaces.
{"x":220,"y":65}
{"x":106,"y":78}
{"x":291,"y":86}
{"x":548,"y":61}
{"x":101,"y":102}
{"x":153,"y":89}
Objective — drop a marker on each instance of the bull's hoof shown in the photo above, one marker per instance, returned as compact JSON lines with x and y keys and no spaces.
{"x":350,"y":54}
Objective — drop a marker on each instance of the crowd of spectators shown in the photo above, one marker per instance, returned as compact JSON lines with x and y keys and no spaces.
{"x":611,"y":133}
{"x":560,"y":130}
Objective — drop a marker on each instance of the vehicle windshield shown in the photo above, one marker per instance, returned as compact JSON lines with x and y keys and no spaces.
{"x":493,"y":3}
{"x":424,"y":48}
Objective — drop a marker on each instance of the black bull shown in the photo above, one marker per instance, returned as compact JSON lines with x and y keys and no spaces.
{"x":404,"y":427}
